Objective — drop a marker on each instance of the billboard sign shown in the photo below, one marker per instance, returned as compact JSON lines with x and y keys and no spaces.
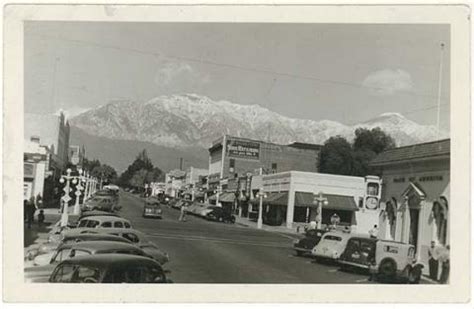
{"x":243,"y":149}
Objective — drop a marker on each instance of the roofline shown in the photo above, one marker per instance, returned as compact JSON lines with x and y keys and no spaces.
{"x":442,"y":156}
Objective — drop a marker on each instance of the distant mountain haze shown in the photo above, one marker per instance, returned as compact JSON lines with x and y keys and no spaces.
{"x":178,"y":125}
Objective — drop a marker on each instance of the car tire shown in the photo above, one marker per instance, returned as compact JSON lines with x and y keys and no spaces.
{"x":232,"y":220}
{"x":388,"y":269}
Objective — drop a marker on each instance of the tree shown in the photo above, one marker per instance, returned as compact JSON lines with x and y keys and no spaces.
{"x":141,"y":171}
{"x":374,"y":140}
{"x":336,"y":156}
{"x":366,"y":146}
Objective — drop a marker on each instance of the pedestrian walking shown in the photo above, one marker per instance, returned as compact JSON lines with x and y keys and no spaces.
{"x":433,"y":254}
{"x":444,"y":259}
{"x":41,"y":218}
{"x":374,"y":232}
{"x":182,"y":216}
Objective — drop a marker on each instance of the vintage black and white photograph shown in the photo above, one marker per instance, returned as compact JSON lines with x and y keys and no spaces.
{"x":236,"y":152}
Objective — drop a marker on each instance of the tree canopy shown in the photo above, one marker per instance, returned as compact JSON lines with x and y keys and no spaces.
{"x":140,"y":172}
{"x":338,"y":156}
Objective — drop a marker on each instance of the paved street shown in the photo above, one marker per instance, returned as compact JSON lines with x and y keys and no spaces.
{"x":212,"y":252}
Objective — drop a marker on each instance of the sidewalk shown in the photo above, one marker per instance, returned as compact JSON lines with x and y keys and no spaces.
{"x":37,"y":235}
{"x":278,"y":229}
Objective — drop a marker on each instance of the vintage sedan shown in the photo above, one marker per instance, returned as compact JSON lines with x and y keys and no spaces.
{"x":331,"y":246}
{"x":104,"y":222}
{"x":65,"y":252}
{"x":221,"y":215}
{"x":387,"y":260}
{"x":44,"y":252}
{"x":109,"y":268}
{"x":308,"y":242}
{"x":137,"y":238}
{"x":100,"y":202}
{"x":152,"y":209}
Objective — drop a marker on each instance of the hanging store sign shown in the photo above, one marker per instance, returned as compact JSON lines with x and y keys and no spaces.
{"x":243,"y":149}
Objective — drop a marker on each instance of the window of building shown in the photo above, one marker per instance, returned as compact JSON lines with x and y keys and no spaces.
{"x":274,"y":167}
{"x":232,"y":163}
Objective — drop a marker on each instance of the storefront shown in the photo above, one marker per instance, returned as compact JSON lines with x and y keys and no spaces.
{"x":290,"y":199}
{"x":415,"y":195}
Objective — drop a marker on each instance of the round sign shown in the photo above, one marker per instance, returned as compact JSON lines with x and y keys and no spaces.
{"x":371,"y":203}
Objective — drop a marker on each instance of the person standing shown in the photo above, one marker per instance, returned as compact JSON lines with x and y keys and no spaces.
{"x":433,"y":261}
{"x":182,"y":216}
{"x":444,"y":259}
{"x":41,"y":218}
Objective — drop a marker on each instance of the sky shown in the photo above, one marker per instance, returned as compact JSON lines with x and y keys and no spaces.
{"x":343,"y":72}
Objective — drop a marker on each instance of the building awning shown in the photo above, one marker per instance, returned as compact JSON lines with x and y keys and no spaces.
{"x":335,"y":201}
{"x":224,"y":197}
{"x":274,"y":198}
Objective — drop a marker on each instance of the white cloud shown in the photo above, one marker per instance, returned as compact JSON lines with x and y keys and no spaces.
{"x":179,"y":76}
{"x":388,"y":82}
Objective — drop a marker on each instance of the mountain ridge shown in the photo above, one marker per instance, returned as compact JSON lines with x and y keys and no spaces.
{"x":191,"y":120}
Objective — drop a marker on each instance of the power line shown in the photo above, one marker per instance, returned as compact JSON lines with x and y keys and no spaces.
{"x":230,"y":66}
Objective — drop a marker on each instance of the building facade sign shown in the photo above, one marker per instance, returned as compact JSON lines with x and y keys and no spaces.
{"x":243,"y":149}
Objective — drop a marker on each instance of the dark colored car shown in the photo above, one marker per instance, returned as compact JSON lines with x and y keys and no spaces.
{"x":152,"y":208}
{"x":310,"y":240}
{"x":219,"y":214}
{"x":109,"y":268}
{"x":68,"y":251}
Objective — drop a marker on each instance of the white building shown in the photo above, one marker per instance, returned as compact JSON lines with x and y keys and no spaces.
{"x":35,"y":167}
{"x":290,"y":198}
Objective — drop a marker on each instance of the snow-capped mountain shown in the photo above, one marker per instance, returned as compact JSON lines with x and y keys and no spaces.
{"x":180,"y":121}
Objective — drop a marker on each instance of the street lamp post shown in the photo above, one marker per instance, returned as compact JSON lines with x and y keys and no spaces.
{"x":86,"y":185}
{"x":319,"y":200}
{"x":66,"y":198}
{"x":261,"y":195}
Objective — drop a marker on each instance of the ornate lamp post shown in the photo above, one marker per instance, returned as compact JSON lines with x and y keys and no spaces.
{"x":78,"y":193}
{"x":319,"y":200}
{"x":66,"y":198}
{"x":261,"y":195}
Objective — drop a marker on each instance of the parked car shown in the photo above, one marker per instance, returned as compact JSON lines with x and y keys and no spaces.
{"x":104,"y":222}
{"x":100,"y":202}
{"x":308,"y":242}
{"x":43,"y":254}
{"x":206,"y":210}
{"x":152,"y":208}
{"x":137,"y":238}
{"x":385,"y":259}
{"x":68,"y":251}
{"x":219,"y":214}
{"x":92,"y":213}
{"x":109,"y":268}
{"x":331,"y":245}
